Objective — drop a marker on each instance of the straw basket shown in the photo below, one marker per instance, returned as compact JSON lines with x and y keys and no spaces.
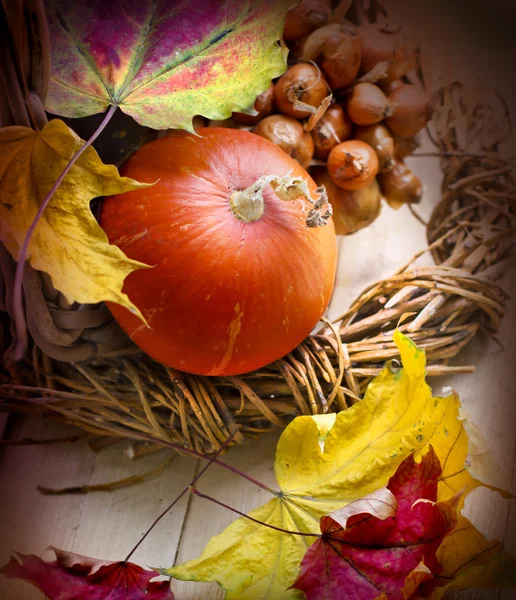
{"x":83,"y":369}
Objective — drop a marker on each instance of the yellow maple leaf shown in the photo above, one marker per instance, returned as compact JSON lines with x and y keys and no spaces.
{"x":67,"y":243}
{"x":321,"y":470}
{"x":465,"y":459}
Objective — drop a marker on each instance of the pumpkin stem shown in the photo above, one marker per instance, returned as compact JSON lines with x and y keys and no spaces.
{"x":248,"y":205}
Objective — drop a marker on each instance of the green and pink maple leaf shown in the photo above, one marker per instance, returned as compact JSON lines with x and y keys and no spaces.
{"x":163,"y":61}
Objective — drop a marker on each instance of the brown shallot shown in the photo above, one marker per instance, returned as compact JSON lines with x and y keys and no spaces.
{"x":352,"y":209}
{"x":336,"y":48}
{"x":264,"y":104}
{"x":289,"y":135}
{"x":367,"y":104}
{"x":301,"y":83}
{"x":404,"y":147}
{"x":332,"y":129}
{"x":381,"y":141}
{"x":411,"y":110}
{"x":379,"y":43}
{"x":400,"y":185}
{"x":352,"y":165}
{"x":305,"y":17}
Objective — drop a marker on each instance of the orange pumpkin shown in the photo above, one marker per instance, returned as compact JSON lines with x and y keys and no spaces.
{"x":224,"y":296}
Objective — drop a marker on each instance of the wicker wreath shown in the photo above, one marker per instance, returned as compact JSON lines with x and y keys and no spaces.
{"x":84,"y":370}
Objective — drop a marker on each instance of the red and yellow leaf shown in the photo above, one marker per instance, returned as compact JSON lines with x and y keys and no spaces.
{"x":371,"y":557}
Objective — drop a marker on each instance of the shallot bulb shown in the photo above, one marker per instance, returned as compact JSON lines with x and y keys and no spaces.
{"x":404,"y":147}
{"x":264,"y":104}
{"x":333,"y":128}
{"x":381,"y":43}
{"x":336,"y":48}
{"x":305,"y":17}
{"x":381,"y":141}
{"x":289,"y":135}
{"x":400,"y":185}
{"x":367,"y":104}
{"x":352,"y":165}
{"x":411,"y":110}
{"x":352,"y":209}
{"x":301,"y":83}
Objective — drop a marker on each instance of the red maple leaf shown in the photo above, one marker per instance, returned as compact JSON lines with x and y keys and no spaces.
{"x":76,"y":577}
{"x":385,"y":545}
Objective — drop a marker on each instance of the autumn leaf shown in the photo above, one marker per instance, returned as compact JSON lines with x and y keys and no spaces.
{"x":68,"y":244}
{"x":468,"y":561}
{"x":379,"y":548}
{"x":163,"y":62}
{"x":362,"y":450}
{"x":466,"y":461}
{"x":72,"y":576}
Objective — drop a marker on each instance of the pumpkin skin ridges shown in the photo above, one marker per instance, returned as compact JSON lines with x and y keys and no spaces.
{"x":224,"y":297}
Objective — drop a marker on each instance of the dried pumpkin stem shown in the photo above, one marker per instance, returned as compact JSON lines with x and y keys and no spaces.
{"x":248,"y":205}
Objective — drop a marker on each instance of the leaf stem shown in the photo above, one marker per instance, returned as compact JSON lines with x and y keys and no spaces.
{"x":170,"y":506}
{"x":18,"y":314}
{"x":220,"y":463}
{"x":196,"y":492}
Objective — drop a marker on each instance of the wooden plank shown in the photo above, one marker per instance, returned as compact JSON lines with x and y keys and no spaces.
{"x":103,"y":525}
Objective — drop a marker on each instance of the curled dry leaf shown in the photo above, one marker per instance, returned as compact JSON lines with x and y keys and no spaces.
{"x":381,"y":544}
{"x":72,"y":576}
{"x":68,"y":244}
{"x":165,"y":62}
{"x":362,"y":449}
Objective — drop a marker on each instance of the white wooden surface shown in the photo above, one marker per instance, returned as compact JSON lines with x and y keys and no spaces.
{"x":107,"y":525}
